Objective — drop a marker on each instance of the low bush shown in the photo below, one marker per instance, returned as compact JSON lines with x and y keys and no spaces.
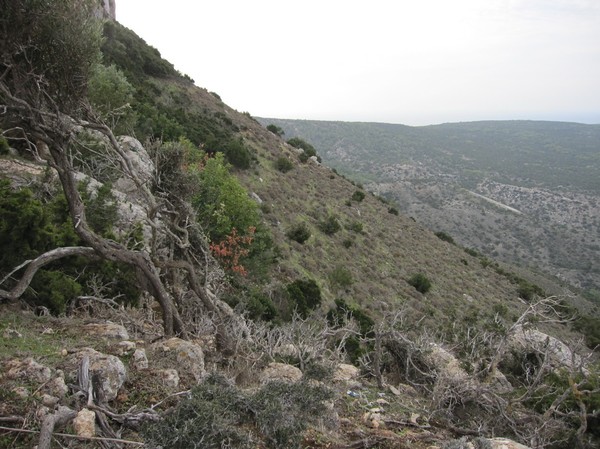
{"x":218,"y":415}
{"x":420,"y":282}
{"x":445,"y":237}
{"x":392,"y":210}
{"x":283,"y":164}
{"x":299,"y":233}
{"x":305,"y":295}
{"x":358,"y":196}
{"x":330,"y":225}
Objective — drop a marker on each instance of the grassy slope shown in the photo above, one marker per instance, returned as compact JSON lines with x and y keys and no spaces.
{"x":389,"y":250}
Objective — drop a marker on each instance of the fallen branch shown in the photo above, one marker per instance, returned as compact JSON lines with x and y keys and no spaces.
{"x":59,"y":418}
{"x":37,"y":263}
{"x":77,"y":437}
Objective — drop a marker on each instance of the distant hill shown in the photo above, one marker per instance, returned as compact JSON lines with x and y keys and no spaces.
{"x":441,"y":175}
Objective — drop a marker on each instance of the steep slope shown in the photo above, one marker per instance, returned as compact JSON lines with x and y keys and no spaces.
{"x":453,"y":177}
{"x":403,"y":304}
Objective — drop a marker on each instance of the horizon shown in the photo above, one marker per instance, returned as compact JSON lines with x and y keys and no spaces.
{"x":391,"y":62}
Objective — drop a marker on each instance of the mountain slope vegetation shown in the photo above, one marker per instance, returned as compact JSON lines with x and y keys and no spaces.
{"x":264,"y":300}
{"x":457,"y":178}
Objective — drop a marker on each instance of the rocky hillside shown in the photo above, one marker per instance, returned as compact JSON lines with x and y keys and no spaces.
{"x":456,"y":178}
{"x":216,"y":285}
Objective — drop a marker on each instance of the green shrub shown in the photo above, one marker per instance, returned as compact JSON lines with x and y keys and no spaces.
{"x":237,"y":154}
{"x":340,"y":278}
{"x":445,"y":237}
{"x":420,"y":282}
{"x":4,"y":147}
{"x":217,"y":414}
{"x":299,"y":232}
{"x":283,"y":164}
{"x":275,"y":130}
{"x":330,"y":225}
{"x":392,"y":210}
{"x":305,"y":294}
{"x":260,"y":307}
{"x":283,"y":411}
{"x":355,"y":226}
{"x":347,"y":243}
{"x":358,"y":196}
{"x":110,"y":94}
{"x":529,"y":291}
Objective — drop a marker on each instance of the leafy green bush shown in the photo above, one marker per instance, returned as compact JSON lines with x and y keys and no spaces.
{"x":445,"y":237}
{"x":420,"y":282}
{"x":283,"y":164}
{"x":110,"y":93}
{"x":275,"y":130}
{"x":340,"y":277}
{"x":355,"y":226}
{"x":221,"y":202}
{"x":358,"y":196}
{"x":305,"y":294}
{"x":237,"y":154}
{"x":260,"y":307}
{"x":299,"y":232}
{"x":330,"y":225}
{"x":529,"y":291}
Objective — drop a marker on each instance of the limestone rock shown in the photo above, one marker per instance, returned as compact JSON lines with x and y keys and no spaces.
{"x":49,"y":400}
{"x":57,"y":386}
{"x":345,"y":373}
{"x":27,"y":370}
{"x":281,"y":372}
{"x":169,"y":377}
{"x":532,"y":340}
{"x":189,"y":356}
{"x":124,"y":347}
{"x":107,"y":373}
{"x":142,"y":165}
{"x":140,"y":361}
{"x":505,"y":443}
{"x":84,"y":423}
{"x":11,"y":334}
{"x":107,"y":330}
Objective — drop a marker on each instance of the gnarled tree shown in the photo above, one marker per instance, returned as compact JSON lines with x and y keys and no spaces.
{"x":47,"y":51}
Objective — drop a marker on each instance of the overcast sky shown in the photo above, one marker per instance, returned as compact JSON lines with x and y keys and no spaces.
{"x":413,"y":62}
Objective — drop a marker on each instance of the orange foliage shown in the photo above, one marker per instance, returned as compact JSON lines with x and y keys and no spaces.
{"x":231,"y":249}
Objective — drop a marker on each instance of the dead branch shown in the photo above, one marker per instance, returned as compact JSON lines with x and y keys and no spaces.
{"x":76,"y":437}
{"x":58,"y":419}
{"x":34,"y":265}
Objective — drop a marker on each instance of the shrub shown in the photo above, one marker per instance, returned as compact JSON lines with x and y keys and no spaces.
{"x":299,"y":233}
{"x":260,"y":307}
{"x":330,"y":225}
{"x":420,"y":282}
{"x":306,"y":295}
{"x":341,"y":277}
{"x":358,"y":196}
{"x":445,"y":237}
{"x":275,"y":130}
{"x":392,"y":210}
{"x":283,"y":164}
{"x":356,"y":226}
{"x":110,"y":93}
{"x":218,"y":415}
{"x":4,"y":147}
{"x":237,"y":154}
{"x":283,"y":411}
{"x":529,"y":291}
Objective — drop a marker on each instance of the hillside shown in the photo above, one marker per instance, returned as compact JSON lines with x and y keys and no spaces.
{"x":207,"y":283}
{"x":452,"y":177}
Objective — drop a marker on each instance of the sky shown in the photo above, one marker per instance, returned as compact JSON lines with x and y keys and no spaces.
{"x":416,"y":62}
